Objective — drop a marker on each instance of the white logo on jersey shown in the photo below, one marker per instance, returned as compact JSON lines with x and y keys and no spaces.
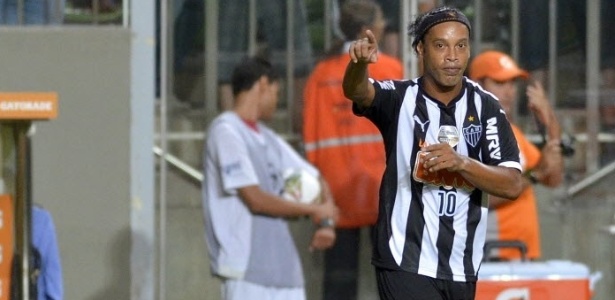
{"x":387,"y":85}
{"x":492,"y":136}
{"x":417,"y":120}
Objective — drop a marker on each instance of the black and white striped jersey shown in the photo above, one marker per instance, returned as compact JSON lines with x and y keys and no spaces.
{"x":435,"y":224}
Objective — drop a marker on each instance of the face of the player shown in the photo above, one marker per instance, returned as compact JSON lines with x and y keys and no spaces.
{"x":445,"y":51}
{"x":270,"y":97}
{"x":506,"y":91}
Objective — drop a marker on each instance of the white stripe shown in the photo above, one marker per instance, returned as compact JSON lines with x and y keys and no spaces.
{"x":401,"y":208}
{"x":345,"y":141}
{"x":399,"y":219}
{"x":428,"y":260}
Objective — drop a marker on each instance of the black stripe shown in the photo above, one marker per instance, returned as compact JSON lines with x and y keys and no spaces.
{"x":474,"y":216}
{"x":446,"y":234}
{"x":446,"y":231}
{"x":414,"y":230}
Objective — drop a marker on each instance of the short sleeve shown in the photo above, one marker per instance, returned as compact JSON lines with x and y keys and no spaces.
{"x":387,"y":101}
{"x":236,"y":168}
{"x":500,"y":147}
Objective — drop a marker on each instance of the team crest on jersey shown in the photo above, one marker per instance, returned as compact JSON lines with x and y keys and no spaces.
{"x":472,"y":134}
{"x":386,"y":85}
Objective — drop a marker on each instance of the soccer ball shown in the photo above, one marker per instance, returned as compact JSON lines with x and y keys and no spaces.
{"x":300,"y":186}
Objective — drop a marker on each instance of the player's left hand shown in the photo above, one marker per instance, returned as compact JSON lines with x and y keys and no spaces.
{"x":442,"y":156}
{"x":322,"y":239}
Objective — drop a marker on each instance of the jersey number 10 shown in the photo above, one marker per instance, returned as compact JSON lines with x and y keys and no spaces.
{"x":448,"y":203}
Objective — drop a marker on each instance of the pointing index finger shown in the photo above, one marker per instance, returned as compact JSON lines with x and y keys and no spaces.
{"x":371,"y":38}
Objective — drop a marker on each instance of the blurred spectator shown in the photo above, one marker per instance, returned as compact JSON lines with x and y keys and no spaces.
{"x":45,"y":267}
{"x":518,"y":219}
{"x":35,"y":12}
{"x":249,"y":243}
{"x":49,"y":279}
{"x":347,"y":150}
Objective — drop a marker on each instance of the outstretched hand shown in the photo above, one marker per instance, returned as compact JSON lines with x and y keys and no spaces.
{"x":364,"y":50}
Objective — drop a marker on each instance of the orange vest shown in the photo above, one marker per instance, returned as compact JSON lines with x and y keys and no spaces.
{"x":518,"y":220}
{"x":347,"y":149}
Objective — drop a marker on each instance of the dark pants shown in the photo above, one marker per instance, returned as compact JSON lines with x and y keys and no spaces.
{"x":342,"y":266}
{"x":402,"y":285}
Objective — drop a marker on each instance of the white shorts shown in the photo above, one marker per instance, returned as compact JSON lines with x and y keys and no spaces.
{"x":242,"y":290}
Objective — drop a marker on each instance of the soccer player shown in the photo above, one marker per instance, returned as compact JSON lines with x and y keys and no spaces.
{"x":448,"y":144}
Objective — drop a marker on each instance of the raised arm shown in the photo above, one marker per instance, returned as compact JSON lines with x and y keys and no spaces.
{"x":356,"y":84}
{"x":538,"y":102}
{"x":550,"y":169}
